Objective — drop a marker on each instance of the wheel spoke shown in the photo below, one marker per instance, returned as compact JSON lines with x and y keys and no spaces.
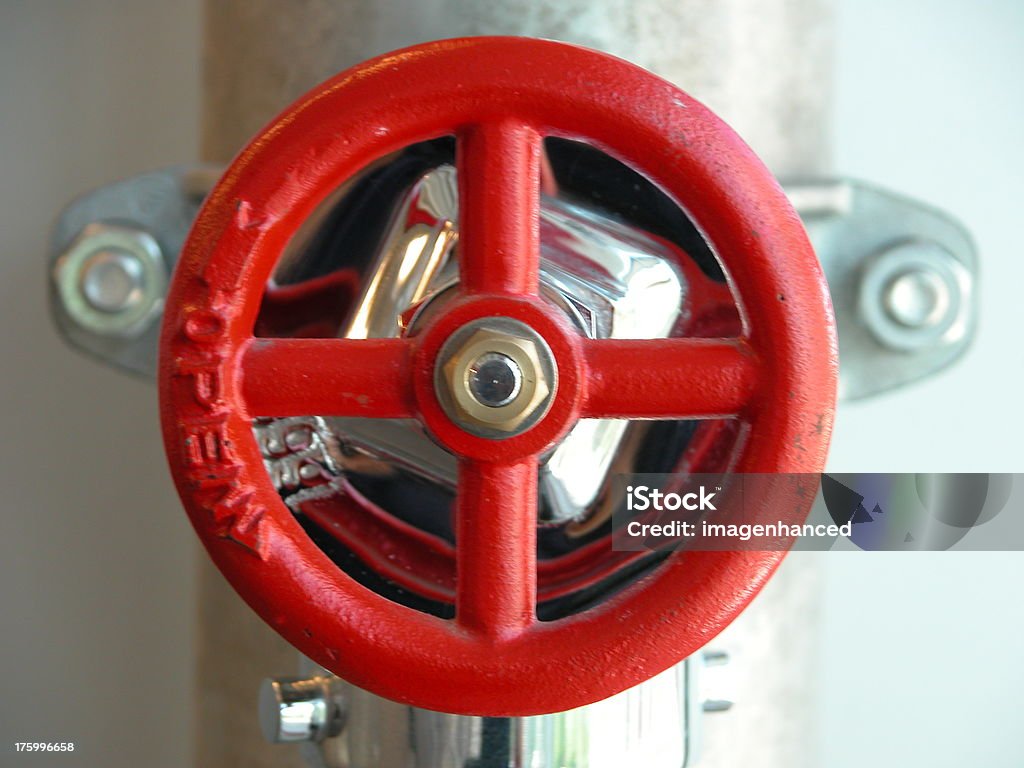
{"x":496,"y":542}
{"x":668,"y":378}
{"x":499,"y":207}
{"x":327,"y":377}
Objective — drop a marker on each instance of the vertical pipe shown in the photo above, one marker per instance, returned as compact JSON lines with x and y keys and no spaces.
{"x":764,"y":67}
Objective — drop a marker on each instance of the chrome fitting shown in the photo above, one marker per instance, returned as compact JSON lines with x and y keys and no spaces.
{"x":296,"y":709}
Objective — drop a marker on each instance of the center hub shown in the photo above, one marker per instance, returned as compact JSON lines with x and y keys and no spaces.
{"x":495,"y":377}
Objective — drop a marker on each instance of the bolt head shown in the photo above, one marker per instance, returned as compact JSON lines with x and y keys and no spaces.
{"x":111,"y":280}
{"x":917,"y":298}
{"x":914,"y":295}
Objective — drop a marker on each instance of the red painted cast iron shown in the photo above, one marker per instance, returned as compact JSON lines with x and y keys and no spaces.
{"x":499,"y":97}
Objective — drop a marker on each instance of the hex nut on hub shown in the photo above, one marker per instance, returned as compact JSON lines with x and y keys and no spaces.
{"x":522,"y":377}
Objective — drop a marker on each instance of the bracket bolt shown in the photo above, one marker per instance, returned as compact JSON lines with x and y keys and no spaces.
{"x":111,"y":280}
{"x":917,"y":298}
{"x":915,"y":295}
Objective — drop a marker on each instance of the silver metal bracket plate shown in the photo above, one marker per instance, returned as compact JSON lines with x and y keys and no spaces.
{"x":902,"y":277}
{"x":112,"y":252}
{"x":902,"y":274}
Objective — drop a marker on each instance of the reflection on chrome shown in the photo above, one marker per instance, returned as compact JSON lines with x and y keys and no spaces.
{"x":655,"y":725}
{"x":611,"y":280}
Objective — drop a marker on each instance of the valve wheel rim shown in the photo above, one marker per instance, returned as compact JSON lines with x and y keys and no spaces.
{"x":215,"y":376}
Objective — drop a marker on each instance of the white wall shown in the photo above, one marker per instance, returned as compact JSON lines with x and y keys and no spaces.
{"x":922,"y":652}
{"x":97,"y":561}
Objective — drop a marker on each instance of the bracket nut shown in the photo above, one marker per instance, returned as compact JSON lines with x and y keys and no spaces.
{"x":915,"y":295}
{"x":111,"y":280}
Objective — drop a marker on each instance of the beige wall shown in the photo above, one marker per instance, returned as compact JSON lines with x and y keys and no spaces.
{"x":97,"y":564}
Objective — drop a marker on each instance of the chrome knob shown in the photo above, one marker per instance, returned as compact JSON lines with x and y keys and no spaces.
{"x":295,"y":709}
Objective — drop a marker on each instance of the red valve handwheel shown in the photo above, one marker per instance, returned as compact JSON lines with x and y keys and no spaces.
{"x":499,"y":97}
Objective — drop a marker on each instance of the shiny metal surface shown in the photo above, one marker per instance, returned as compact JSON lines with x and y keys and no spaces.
{"x":110,"y":281}
{"x":113,"y":281}
{"x":901,"y":275}
{"x":717,"y":688}
{"x":143,"y":219}
{"x":916,"y":295}
{"x":656,"y":725}
{"x":301,"y":709}
{"x":416,"y":251}
{"x":495,"y":379}
{"x":612,"y":280}
{"x":300,"y":454}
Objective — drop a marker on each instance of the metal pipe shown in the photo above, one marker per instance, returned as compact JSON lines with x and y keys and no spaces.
{"x":764,"y":69}
{"x":763,"y":66}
